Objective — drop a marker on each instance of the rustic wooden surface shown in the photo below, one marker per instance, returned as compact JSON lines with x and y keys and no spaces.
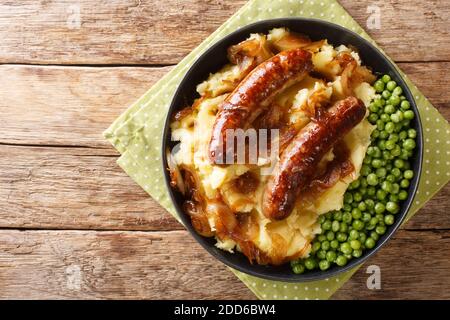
{"x":73,"y":225}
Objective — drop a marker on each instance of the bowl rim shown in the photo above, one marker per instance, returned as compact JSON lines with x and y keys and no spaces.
{"x":317,"y":275}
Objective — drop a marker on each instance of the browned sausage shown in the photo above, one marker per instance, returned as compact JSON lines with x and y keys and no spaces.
{"x":299,"y":160}
{"x":255,"y":92}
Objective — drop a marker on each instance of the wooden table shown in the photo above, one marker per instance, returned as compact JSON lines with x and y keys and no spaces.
{"x":73,"y":225}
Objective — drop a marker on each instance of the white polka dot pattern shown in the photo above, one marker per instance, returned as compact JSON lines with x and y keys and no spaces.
{"x":136,"y":134}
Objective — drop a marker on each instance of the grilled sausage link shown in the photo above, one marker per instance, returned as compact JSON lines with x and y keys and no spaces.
{"x":254,"y":94}
{"x":299,"y":160}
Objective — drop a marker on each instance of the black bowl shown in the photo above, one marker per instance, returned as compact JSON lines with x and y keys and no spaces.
{"x":213,"y":59}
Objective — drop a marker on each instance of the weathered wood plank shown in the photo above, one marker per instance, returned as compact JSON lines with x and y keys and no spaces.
{"x":83,"y":188}
{"x":67,"y":106}
{"x":77,"y":264}
{"x":73,"y":188}
{"x":72,"y":106}
{"x":164,"y":31}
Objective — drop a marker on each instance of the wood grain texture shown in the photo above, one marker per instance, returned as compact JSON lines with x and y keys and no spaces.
{"x":73,"y":188}
{"x":152,"y":265}
{"x":72,"y":106}
{"x":67,"y":106}
{"x":164,"y":31}
{"x":83,"y":188}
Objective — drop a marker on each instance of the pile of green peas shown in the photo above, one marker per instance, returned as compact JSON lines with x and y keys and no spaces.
{"x":371,"y":202}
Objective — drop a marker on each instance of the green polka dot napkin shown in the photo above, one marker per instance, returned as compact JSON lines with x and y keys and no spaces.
{"x":137,"y":133}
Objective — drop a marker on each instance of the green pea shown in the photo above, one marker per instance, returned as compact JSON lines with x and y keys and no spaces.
{"x":321,"y":237}
{"x":347,"y":217}
{"x":358,"y":225}
{"x":408,"y":174}
{"x":393,"y":198}
{"x":402,"y":135}
{"x":379,"y":207}
{"x":380,"y":102}
{"x":402,"y":195}
{"x":355,"y":244}
{"x":383,"y":135}
{"x":386,"y":186}
{"x":389,"y":109}
{"x":348,"y":197}
{"x":357,"y":253}
{"x":321,"y":254}
{"x":386,"y":78}
{"x":393,"y":137}
{"x":371,"y":191}
{"x":365,"y":170}
{"x":373,"y":117}
{"x":385,"y":118}
{"x":391,"y":178}
{"x":341,"y":260}
{"x":331,"y":256}
{"x":353,"y":235}
{"x":328,"y":215}
{"x":324,"y":265}
{"x":399,"y":163}
{"x":391,"y":85}
{"x":404,"y":183}
{"x":386,"y":94}
{"x":412,"y":133}
{"x":356,"y":213}
{"x":409,"y":144}
{"x":344,"y":226}
{"x":334,"y":244}
{"x":326,"y":225}
{"x":389,"y":219}
{"x":370,"y":243}
{"x":330,"y":235}
{"x":362,"y":237}
{"x":355,"y":184}
{"x":409,"y":114}
{"x":396,"y":151}
{"x":380,"y":230}
{"x":397,"y":91}
{"x":346,"y":248}
{"x":381,"y":194}
{"x":396,"y":172}
{"x":374,"y":108}
{"x":378,"y":86}
{"x":341,"y":237}
{"x":315,"y":246}
{"x":395,"y":118}
{"x":347,"y":207}
{"x":335,"y":226}
{"x":298,"y":269}
{"x":366,"y":217}
{"x":310,"y":263}
{"x":396,"y":188}
{"x":372,"y":178}
{"x":370,"y":203}
{"x":374,"y":221}
{"x":389,"y":127}
{"x":390,"y":145}
{"x":321,"y":219}
{"x":405,"y":105}
{"x":356,"y":197}
{"x":363,"y":182}
{"x":394,"y":100}
{"x":386,"y":154}
{"x":374,"y":235}
{"x":392,"y":207}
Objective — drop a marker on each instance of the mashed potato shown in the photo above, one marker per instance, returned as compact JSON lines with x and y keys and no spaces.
{"x":276,"y":241}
